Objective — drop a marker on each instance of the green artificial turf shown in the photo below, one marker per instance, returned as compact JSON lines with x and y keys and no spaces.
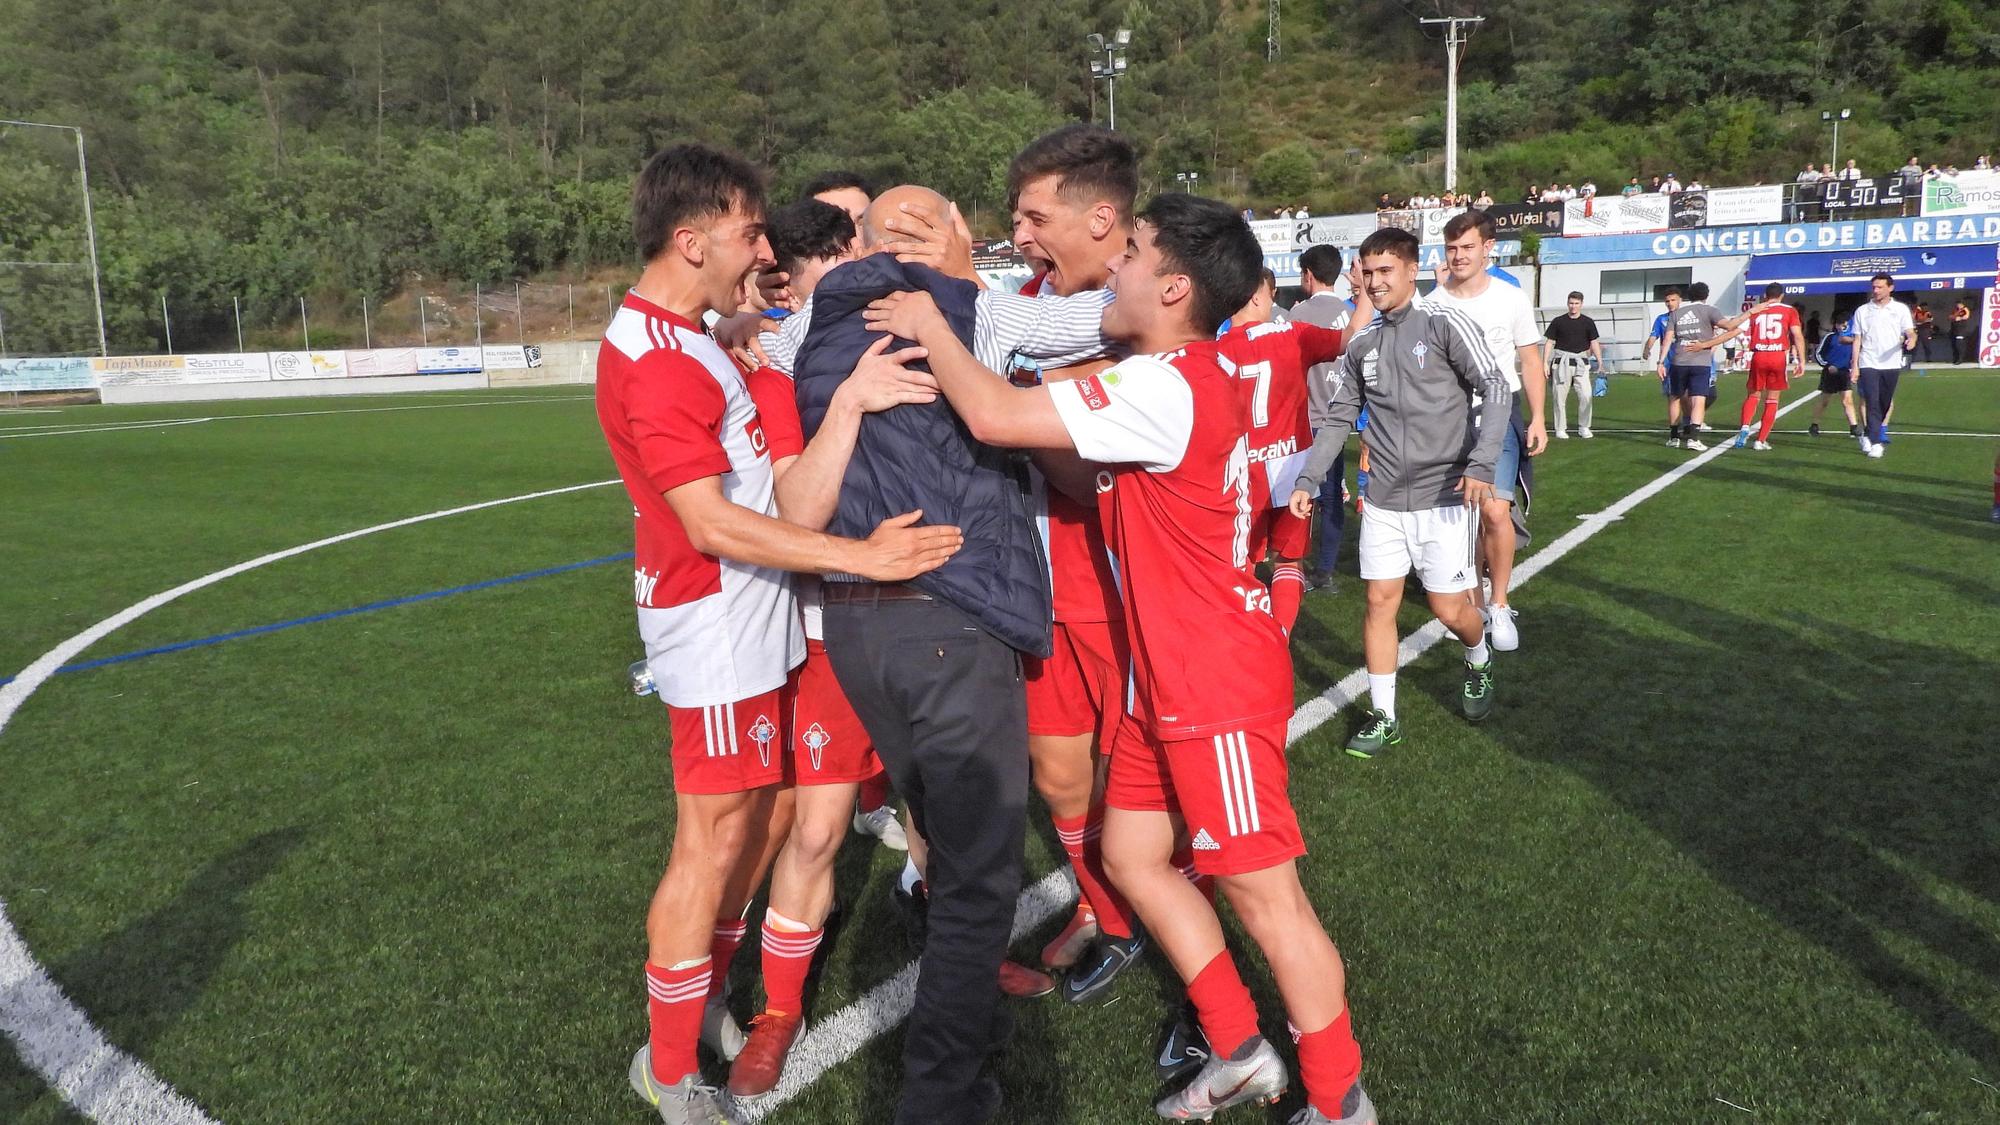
{"x":1730,"y":836}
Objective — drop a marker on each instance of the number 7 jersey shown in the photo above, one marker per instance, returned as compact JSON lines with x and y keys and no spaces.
{"x":1269,"y":361}
{"x":1178,"y":494}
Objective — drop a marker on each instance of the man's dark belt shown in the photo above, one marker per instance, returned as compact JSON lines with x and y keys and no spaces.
{"x":871,"y":593}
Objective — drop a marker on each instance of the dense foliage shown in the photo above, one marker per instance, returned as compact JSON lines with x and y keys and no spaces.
{"x":264,"y":149}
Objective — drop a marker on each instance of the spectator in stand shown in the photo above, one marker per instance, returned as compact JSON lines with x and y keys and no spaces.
{"x":1810,"y":175}
{"x":1926,"y":323}
{"x":1588,"y":190}
{"x":1984,"y":163}
{"x":1382,"y":203}
{"x":1696,"y":185}
{"x":1826,"y":172}
{"x":1851,"y":172}
{"x":1484,"y":201}
{"x":1911,"y":174}
{"x":1631,"y":187}
{"x":1449,"y":200}
{"x":1567,"y":193}
{"x":1950,"y":169}
{"x":1933,"y":172}
{"x":1534,"y":194}
{"x":1249,"y":215}
{"x":1656,"y":186}
{"x":1670,"y":185}
{"x":1284,"y":212}
{"x":1961,"y":333}
{"x":1300,"y":212}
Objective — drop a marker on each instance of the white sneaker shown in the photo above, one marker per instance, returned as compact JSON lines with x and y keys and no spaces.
{"x":1875,"y":451}
{"x":1222,"y":1083}
{"x":1673,"y":443}
{"x":1694,"y":443}
{"x":1500,"y":622}
{"x":882,"y":824}
{"x":1584,"y":433}
{"x":719,"y":1030}
{"x":1761,"y":445}
{"x":1562,"y":435}
{"x":1866,"y":445}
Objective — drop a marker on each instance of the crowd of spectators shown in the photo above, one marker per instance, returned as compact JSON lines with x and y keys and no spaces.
{"x":1912,"y":173}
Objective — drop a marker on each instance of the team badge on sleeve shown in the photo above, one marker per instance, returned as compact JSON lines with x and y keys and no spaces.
{"x":1092,"y":390}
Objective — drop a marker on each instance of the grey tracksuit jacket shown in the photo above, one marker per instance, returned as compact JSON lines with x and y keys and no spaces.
{"x":1416,"y":368}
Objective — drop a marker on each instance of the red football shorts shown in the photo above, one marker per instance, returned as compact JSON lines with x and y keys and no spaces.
{"x":1230,"y":788}
{"x":1080,"y":688}
{"x":829,"y":744}
{"x":733,"y":747}
{"x":1767,"y":371}
{"x":1285,"y":535}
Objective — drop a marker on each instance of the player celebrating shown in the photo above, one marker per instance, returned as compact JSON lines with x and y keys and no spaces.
{"x":708,"y":579}
{"x":1201,"y":749}
{"x":1777,"y":352}
{"x":1269,"y":359}
{"x":1071,"y":191}
{"x":1431,"y":468}
{"x":1698,"y":330}
{"x":1504,"y":314}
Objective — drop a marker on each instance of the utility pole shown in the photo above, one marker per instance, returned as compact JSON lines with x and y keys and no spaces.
{"x":89,"y":224}
{"x":1271,"y":36}
{"x":1454,"y":38}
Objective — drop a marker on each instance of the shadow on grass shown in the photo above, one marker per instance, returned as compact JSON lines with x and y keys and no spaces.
{"x":137,"y":983}
{"x":1821,"y":773}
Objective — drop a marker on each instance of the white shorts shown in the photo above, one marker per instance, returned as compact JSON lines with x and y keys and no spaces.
{"x":1438,"y":543}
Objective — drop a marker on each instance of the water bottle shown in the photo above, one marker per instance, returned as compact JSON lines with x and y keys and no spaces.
{"x":641,"y":677}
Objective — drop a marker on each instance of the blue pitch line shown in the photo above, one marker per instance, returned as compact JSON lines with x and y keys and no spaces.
{"x":391,"y":603}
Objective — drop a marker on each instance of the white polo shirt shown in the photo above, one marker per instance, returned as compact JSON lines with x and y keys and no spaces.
{"x":1879,"y":330}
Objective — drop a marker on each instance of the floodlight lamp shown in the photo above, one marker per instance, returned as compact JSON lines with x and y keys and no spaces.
{"x":1096,"y":41}
{"x":1846,"y":113}
{"x":1123,"y":37}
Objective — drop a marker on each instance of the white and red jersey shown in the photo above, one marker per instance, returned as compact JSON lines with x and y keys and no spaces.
{"x":1269,"y":361}
{"x":1080,"y":581}
{"x":1771,"y":328}
{"x":675,"y":408}
{"x":1178,"y":499}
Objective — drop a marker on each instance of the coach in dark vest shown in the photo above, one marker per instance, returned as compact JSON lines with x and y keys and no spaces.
{"x":933,"y":670}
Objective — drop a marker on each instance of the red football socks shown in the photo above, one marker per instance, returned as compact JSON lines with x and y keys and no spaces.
{"x":1329,"y":1063}
{"x":1750,"y":410}
{"x":788,"y":956}
{"x":1079,"y":836}
{"x":874,"y":792}
{"x":1770,"y":419}
{"x":674,"y":1000}
{"x":722,"y":950}
{"x":1228,"y":1016}
{"x":1288,"y":588}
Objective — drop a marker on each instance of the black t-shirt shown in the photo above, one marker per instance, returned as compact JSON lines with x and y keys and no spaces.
{"x":1572,"y":333}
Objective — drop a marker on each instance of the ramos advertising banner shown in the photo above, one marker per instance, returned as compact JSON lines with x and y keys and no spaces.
{"x":52,"y":373}
{"x":1968,"y":193}
{"x":1615,"y":214}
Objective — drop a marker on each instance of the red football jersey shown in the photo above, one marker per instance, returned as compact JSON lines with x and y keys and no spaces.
{"x":1771,"y":328}
{"x":1178,"y":499}
{"x":1269,"y":361}
{"x":1080,"y":578}
{"x":675,"y":408}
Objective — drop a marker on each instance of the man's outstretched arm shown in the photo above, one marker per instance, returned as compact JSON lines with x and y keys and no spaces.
{"x":995,"y":410}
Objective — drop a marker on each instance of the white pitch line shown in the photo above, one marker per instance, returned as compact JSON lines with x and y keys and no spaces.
{"x":147,"y":424}
{"x":1730,"y":435}
{"x":53,"y":1035}
{"x":839,"y":1036}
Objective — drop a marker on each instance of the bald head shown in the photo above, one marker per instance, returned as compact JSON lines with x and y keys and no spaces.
{"x":889,"y":204}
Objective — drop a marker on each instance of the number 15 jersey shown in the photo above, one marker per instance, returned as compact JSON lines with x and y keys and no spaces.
{"x":1178,"y":497}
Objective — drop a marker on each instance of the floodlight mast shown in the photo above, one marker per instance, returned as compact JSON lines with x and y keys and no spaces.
{"x":89,"y":224}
